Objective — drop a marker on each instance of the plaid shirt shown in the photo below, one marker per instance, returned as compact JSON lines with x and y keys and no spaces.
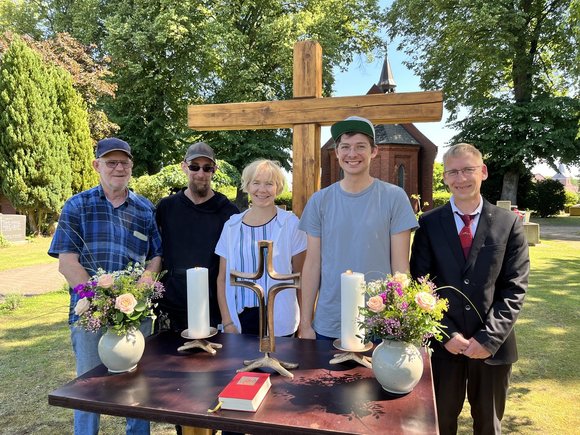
{"x":106,"y":237}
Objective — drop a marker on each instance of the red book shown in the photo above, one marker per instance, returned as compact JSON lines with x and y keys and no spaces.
{"x":245,"y":391}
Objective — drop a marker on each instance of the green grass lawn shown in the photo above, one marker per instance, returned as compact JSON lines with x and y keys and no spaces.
{"x":35,"y":356}
{"x":27,"y":254}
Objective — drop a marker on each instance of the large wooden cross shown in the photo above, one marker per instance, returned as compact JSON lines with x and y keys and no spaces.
{"x":308,"y":111}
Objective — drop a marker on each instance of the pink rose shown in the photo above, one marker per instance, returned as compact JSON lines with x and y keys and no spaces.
{"x":375,"y":304}
{"x":125,"y":303}
{"x":425,"y":300}
{"x":82,"y":306}
{"x":106,"y":281}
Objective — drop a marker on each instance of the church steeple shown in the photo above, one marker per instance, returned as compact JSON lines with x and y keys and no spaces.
{"x":387,"y":82}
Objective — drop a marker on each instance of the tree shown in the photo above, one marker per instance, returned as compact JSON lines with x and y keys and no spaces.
{"x":34,"y":160}
{"x":76,"y":129}
{"x":168,"y":54}
{"x":171,"y":54}
{"x":256,"y":61}
{"x":21,"y":17}
{"x":438,"y":184}
{"x":550,"y":197}
{"x":90,"y":74}
{"x":499,"y":59}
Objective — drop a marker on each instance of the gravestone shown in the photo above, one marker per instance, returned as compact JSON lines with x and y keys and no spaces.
{"x":532,"y":232}
{"x":504,"y":204}
{"x":13,"y":227}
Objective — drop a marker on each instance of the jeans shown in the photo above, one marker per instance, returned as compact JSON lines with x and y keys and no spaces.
{"x":84,"y":345}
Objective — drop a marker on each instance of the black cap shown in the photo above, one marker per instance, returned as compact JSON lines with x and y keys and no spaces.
{"x":110,"y":144}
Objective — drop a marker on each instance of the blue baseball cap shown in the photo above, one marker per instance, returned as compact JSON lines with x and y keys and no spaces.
{"x":110,"y":144}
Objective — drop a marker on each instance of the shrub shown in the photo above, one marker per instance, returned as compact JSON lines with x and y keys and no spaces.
{"x":3,"y":242}
{"x":285,"y":198}
{"x":440,"y":198}
{"x":549,"y":198}
{"x":571,"y":199}
{"x":11,"y":302}
{"x":171,"y":179}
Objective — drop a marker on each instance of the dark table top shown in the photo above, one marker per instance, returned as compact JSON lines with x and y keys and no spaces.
{"x":179,"y":387}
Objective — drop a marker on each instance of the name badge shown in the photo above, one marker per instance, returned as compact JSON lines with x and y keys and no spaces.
{"x":140,"y":236}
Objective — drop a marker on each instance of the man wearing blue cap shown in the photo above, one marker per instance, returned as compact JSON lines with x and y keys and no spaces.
{"x":106,"y":227}
{"x":359,"y":223}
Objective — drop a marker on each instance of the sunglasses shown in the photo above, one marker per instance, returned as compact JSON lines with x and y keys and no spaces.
{"x":206,"y":168}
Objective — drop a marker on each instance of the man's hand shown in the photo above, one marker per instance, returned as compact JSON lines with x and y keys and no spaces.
{"x":476,"y":350}
{"x":457,"y":345}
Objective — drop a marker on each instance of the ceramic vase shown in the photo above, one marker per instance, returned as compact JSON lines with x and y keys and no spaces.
{"x":121,"y":353}
{"x":398,"y":366}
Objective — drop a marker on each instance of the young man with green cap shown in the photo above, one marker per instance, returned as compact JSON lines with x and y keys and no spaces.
{"x":359,"y":223}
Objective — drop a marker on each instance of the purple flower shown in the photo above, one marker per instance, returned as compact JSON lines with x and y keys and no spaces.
{"x":395,"y":286}
{"x":85,"y":290}
{"x":404,"y":306}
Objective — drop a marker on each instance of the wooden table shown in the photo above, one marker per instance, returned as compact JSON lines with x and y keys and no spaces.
{"x":179,"y":387}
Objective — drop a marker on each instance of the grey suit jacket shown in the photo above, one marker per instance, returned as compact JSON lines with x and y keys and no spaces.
{"x":493,"y":279}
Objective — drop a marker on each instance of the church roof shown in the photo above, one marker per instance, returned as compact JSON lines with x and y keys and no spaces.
{"x":393,"y":134}
{"x":386,"y":81}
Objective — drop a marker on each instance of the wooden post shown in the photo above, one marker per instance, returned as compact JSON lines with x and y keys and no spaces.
{"x":307,"y":81}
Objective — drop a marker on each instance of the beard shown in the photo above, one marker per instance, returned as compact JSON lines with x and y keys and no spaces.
{"x":200,"y":188}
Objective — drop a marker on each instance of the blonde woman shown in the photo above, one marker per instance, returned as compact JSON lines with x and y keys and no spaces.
{"x":237,"y":247}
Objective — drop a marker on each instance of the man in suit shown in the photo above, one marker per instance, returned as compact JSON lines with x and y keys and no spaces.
{"x":490,"y":270}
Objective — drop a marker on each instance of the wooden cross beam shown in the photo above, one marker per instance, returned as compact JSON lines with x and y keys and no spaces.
{"x":308,"y":111}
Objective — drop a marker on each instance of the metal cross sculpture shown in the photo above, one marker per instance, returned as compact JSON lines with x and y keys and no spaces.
{"x":267,"y":338}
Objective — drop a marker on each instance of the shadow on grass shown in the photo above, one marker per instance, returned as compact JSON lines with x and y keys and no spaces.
{"x":548,"y":319}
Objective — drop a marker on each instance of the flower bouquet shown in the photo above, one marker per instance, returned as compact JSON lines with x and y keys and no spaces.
{"x":403,"y":313}
{"x":117,"y":301}
{"x":399,"y":308}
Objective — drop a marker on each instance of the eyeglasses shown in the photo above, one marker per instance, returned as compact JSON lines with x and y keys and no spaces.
{"x":206,"y":168}
{"x":112,"y":164}
{"x":469,"y":170}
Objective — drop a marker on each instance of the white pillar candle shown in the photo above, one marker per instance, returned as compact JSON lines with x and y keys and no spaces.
{"x":197,"y":302}
{"x":352,"y":297}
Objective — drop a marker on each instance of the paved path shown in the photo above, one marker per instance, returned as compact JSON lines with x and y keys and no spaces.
{"x":31,"y":280}
{"x":553,"y":232}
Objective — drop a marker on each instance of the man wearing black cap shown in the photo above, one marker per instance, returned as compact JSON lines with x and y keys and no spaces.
{"x":106,"y":227}
{"x":358,"y":223}
{"x":191,"y":222}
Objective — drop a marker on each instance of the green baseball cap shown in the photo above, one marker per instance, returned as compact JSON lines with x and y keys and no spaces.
{"x":353,"y":124}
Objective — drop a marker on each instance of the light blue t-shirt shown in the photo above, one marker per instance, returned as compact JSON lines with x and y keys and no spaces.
{"x":355,"y":233}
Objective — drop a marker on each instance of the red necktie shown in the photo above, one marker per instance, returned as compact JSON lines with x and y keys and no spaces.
{"x":465,"y":235}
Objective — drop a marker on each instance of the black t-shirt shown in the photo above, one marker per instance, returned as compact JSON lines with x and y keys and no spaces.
{"x":189,"y":234}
